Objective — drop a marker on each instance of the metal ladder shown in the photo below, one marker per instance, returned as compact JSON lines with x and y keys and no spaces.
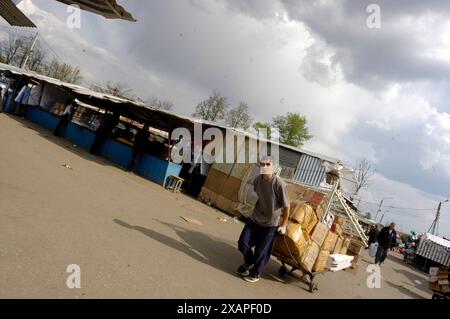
{"x":352,"y":218}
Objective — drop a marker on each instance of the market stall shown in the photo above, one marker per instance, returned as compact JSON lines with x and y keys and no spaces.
{"x":53,"y":98}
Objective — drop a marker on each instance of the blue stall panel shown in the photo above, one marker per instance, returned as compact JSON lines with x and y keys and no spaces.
{"x":79,"y":135}
{"x":172,"y":170}
{"x":149,"y":167}
{"x":157,"y":170}
{"x":41,"y":117}
{"x":117,"y":152}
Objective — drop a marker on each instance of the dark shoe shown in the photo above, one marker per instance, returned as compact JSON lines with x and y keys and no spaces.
{"x":252,"y":278}
{"x":243,"y":270}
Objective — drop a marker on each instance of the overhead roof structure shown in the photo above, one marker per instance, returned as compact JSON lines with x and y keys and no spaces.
{"x":13,"y":15}
{"x":161,"y":119}
{"x":134,"y":110}
{"x":106,"y":8}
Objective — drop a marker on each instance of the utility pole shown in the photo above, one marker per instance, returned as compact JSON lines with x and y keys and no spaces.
{"x":434,"y":228}
{"x":379,"y":209}
{"x":28,"y":54}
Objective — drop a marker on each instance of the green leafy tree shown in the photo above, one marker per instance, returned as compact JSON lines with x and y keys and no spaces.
{"x":213,"y":108}
{"x":292,"y":128}
{"x":264,"y":126}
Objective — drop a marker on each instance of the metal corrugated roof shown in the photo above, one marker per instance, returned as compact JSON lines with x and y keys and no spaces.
{"x":13,"y":15}
{"x":143,"y":111}
{"x":107,"y":8}
{"x":310,"y":171}
{"x":434,"y":251}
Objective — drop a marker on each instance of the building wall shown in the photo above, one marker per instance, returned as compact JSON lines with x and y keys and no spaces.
{"x":310,"y":171}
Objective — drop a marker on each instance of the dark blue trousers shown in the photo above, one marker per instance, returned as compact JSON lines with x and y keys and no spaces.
{"x":262,"y":238}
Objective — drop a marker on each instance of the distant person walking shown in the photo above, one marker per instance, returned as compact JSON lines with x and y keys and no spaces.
{"x":373,"y":233}
{"x":387,"y":238}
{"x":261,"y":228}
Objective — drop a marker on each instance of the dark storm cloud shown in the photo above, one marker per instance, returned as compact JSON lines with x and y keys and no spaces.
{"x":372,"y":58}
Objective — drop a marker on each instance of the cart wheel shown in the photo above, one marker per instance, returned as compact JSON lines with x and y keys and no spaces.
{"x":435,"y":296}
{"x":282,"y":271}
{"x":313,"y":288}
{"x":307,"y":278}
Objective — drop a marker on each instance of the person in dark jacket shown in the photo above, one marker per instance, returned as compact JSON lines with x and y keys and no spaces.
{"x":104,"y":131}
{"x":66,"y":117}
{"x":373,"y":233}
{"x":387,"y":238}
{"x":140,"y":144}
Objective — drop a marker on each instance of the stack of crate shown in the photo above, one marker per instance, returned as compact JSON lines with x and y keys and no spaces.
{"x":439,"y":279}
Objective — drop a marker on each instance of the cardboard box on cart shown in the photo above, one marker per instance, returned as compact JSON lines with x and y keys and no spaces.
{"x":322,"y":261}
{"x":319,"y":233}
{"x":338,"y":246}
{"x":355,"y":247}
{"x":330,"y":241}
{"x":309,"y":257}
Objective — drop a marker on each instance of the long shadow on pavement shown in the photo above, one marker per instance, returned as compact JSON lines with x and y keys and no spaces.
{"x":206,"y":249}
{"x":219,"y":251}
{"x":405,"y":290}
{"x":412,"y":277}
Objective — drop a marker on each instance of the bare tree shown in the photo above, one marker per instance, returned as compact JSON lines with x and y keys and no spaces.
{"x":117,"y":89}
{"x":213,"y":108}
{"x":12,"y":49}
{"x":159,"y":104}
{"x":239,"y":117}
{"x":364,"y":174}
{"x":36,"y":62}
{"x":63,"y":71}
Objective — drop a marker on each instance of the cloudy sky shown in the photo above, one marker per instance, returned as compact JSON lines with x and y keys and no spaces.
{"x":379,"y":93}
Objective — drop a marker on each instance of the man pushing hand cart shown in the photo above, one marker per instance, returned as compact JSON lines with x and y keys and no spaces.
{"x":270,"y":216}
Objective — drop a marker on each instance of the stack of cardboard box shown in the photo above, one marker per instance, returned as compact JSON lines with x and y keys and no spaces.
{"x":354,"y":249}
{"x":439,"y":279}
{"x":300,"y":243}
{"x":310,"y":243}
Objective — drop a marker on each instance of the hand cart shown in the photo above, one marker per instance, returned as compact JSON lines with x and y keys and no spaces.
{"x":307,"y":276}
{"x":439,"y":295}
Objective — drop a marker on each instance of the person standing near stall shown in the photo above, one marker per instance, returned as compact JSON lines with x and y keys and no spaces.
{"x":66,"y":117}
{"x":104,"y":131}
{"x":21,"y":100}
{"x":1,"y":99}
{"x":139,"y":146}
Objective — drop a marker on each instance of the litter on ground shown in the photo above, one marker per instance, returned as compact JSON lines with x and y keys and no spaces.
{"x":191,"y":220}
{"x":67,"y":166}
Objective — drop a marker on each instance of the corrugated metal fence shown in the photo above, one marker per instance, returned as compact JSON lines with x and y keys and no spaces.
{"x":434,"y":252}
{"x":310,"y":171}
